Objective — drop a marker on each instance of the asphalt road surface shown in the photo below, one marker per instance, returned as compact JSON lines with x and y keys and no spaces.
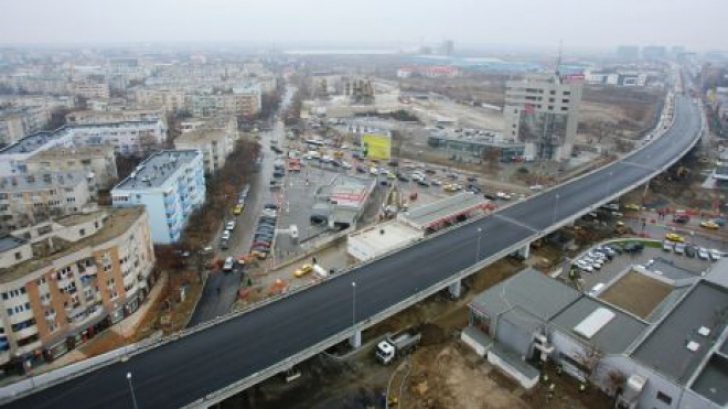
{"x":183,"y":371}
{"x":214,"y":303}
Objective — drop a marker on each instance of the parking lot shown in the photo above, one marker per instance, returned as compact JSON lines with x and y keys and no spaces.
{"x":612,"y":269}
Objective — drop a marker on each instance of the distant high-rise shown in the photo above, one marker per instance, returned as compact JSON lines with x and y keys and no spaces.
{"x":628,"y":52}
{"x":543,"y":112}
{"x":447,"y":47}
{"x":654,"y":52}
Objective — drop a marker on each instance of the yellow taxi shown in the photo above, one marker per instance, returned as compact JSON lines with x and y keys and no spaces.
{"x":675,"y":237}
{"x":710,"y":225}
{"x":305,"y":269}
{"x":238,"y":209}
{"x":633,"y":207}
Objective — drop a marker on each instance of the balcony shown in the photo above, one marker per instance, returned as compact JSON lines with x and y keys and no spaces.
{"x":26,"y":332}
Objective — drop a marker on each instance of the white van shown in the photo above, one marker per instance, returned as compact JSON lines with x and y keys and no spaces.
{"x":320,"y":271}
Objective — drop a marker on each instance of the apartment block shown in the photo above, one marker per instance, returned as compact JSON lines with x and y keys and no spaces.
{"x":171,"y":184}
{"x":17,"y":122}
{"x":543,"y":111}
{"x":29,"y":199}
{"x":96,"y":161}
{"x":91,"y":90}
{"x":170,"y":99}
{"x":90,"y":117}
{"x":64,"y":281}
{"x":215,"y":146}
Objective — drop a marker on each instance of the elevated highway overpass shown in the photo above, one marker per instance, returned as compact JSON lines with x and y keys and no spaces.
{"x":217,"y":361}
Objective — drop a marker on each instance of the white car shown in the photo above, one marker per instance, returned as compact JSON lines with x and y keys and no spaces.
{"x":584,"y":266}
{"x":595,"y":264}
{"x":346,"y":165}
{"x":715,"y":255}
{"x":226,"y":235}
{"x":230,"y":225}
{"x":374,"y":171}
{"x":229,"y":263}
{"x":597,"y":256}
{"x":667,"y":245}
{"x":680,"y":248}
{"x":703,"y":253}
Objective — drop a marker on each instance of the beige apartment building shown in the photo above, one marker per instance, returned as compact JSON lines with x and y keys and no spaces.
{"x":64,"y":281}
{"x":29,"y":199}
{"x":91,"y":90}
{"x":97,"y":161}
{"x":89,"y":117}
{"x":215,"y":145}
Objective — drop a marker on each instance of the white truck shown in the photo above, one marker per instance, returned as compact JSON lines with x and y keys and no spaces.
{"x":397,"y":345}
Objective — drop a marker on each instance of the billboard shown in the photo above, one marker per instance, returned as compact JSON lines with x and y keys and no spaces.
{"x":377,"y":146}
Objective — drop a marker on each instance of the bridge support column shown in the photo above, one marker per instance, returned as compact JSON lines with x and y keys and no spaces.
{"x":525,"y":251}
{"x":455,"y":289}
{"x":355,"y":340}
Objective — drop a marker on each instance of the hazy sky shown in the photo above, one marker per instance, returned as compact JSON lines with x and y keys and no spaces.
{"x":697,"y":24}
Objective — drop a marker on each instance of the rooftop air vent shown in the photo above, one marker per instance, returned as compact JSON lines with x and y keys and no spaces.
{"x":693,"y":346}
{"x":704,"y":331}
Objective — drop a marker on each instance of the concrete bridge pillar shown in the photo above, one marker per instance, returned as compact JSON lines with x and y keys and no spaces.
{"x":455,"y":289}
{"x":355,"y":340}
{"x":525,"y":251}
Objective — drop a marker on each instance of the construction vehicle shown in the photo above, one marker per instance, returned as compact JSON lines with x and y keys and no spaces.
{"x":397,"y":345}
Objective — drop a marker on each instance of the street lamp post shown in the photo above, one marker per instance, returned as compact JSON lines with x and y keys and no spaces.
{"x":477,"y":249}
{"x":131,"y":389}
{"x":353,"y":306}
{"x":609,"y":182}
{"x":556,"y":209}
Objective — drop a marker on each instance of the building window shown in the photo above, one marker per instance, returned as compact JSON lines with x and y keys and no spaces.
{"x":18,"y":255}
{"x":82,"y":232}
{"x":664,"y":398}
{"x":565,"y":101}
{"x":567,"y":92}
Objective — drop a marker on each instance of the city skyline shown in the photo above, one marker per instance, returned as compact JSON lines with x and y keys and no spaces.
{"x":467,"y":22}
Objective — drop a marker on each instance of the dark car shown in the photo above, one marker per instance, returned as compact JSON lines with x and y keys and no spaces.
{"x":361,"y":169}
{"x":690,"y":251}
{"x":423,"y":183}
{"x":267,"y":220}
{"x":473,"y":189}
{"x":262,"y":243}
{"x":472,"y":179}
{"x":270,"y":205}
{"x":633,"y":247}
{"x":224,"y":244}
{"x":278,"y":174}
{"x":490,"y":196}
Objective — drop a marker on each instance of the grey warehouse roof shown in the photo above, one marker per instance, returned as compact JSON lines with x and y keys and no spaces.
{"x":665,"y":349}
{"x":10,"y":242}
{"x":614,"y":337}
{"x":530,"y":291}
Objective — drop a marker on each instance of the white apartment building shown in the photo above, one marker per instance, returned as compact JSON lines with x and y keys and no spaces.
{"x":171,"y":184}
{"x":13,"y":157}
{"x":243,"y":101}
{"x":543,"y":112}
{"x":215,"y":146}
{"x":127,"y":137}
{"x":98,"y":161}
{"x":53,"y":299}
{"x":32,"y":198}
{"x":45,"y":101}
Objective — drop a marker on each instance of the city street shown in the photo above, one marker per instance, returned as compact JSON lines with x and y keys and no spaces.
{"x":220,"y":290}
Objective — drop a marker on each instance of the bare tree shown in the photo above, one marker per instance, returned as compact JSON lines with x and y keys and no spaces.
{"x":589,"y":358}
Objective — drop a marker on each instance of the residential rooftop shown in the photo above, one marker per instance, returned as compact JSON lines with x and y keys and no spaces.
{"x":676,"y":347}
{"x":79,"y":153}
{"x":200,"y":135}
{"x":41,"y":180}
{"x":670,"y":270}
{"x":713,"y":380}
{"x":157,"y":169}
{"x":118,"y":220}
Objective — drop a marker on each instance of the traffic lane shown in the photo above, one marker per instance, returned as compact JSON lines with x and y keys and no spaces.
{"x":289,"y":325}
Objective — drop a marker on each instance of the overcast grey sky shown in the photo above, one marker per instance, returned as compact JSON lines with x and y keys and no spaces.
{"x":697,"y":24}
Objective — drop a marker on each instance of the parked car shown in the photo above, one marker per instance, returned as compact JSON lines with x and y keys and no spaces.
{"x":228,"y":265}
{"x":634,"y":247}
{"x":224,"y":244}
{"x":303,"y":270}
{"x":675,"y":237}
{"x":230,"y":225}
{"x":690,"y":251}
{"x":667,"y":245}
{"x":238,"y":209}
{"x":715,"y":254}
{"x":226,"y":235}
{"x":703,"y":253}
{"x":710,"y":225}
{"x":423,"y":183}
{"x":270,"y":205}
{"x":680,"y":248}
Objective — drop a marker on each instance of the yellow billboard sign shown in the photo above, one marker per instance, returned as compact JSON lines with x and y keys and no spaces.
{"x":377,"y":146}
